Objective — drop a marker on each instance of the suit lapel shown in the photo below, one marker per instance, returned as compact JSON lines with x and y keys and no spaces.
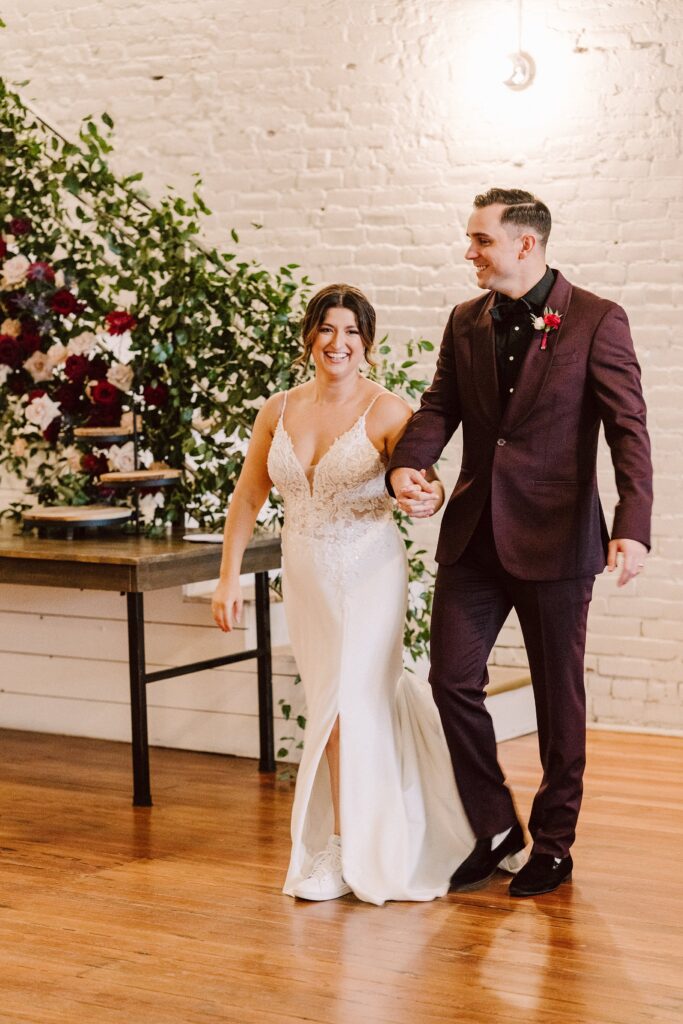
{"x":537,"y":362}
{"x":484,"y":369}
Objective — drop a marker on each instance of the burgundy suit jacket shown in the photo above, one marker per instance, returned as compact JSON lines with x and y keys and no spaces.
{"x":538,"y":459}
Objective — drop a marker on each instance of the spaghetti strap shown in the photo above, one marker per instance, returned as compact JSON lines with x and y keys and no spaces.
{"x":282,"y":410}
{"x":378,"y":395}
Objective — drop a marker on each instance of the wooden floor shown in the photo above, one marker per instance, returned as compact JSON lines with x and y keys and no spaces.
{"x":173,"y":915}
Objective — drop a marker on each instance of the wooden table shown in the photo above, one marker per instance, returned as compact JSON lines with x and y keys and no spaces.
{"x":133,"y":565}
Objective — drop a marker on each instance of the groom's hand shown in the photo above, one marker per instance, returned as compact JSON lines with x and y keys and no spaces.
{"x":633,"y":555}
{"x":414,"y":493}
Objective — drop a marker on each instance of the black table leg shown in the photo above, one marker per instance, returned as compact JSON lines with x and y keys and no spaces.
{"x":265,"y":674}
{"x":138,"y":700}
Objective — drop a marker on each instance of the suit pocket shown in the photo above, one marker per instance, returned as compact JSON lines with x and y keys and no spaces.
{"x":565,"y":358}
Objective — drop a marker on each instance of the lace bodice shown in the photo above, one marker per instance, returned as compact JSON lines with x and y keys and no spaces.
{"x":346,"y":495}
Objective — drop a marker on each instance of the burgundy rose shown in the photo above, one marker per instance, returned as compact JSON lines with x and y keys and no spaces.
{"x":156,"y":394}
{"x":98,"y":368}
{"x":119,"y":321}
{"x":77,"y":368}
{"x":19,"y":226}
{"x":17,"y":383}
{"x":11,"y":352}
{"x":63,"y":303}
{"x":94,"y":464}
{"x":104,"y":416}
{"x":35,"y":393}
{"x":40,"y":271}
{"x":30,"y":339}
{"x":105,"y":394}
{"x":51,"y":432}
{"x":3,"y":248}
{"x":69,"y":397}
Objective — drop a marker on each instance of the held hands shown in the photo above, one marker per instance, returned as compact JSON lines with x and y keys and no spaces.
{"x":415,"y":494}
{"x":226,"y":604}
{"x":632,"y":560}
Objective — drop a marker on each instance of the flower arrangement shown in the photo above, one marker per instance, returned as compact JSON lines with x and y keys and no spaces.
{"x":61,"y":366}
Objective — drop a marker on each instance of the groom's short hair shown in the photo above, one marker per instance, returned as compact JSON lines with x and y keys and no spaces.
{"x":521,"y":208}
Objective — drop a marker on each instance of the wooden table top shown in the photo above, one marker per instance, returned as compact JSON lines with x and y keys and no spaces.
{"x":120,"y":562}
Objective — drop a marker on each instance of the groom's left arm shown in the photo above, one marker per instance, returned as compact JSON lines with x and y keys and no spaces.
{"x":614,"y":374}
{"x":437,"y":419}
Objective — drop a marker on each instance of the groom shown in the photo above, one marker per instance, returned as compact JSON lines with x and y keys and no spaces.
{"x":531,"y":369}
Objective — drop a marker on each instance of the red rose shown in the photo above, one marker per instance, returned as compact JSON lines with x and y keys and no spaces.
{"x":552,"y":320}
{"x":63,"y":303}
{"x":156,"y":394}
{"x":105,"y":393}
{"x":11,"y":352}
{"x":94,"y":464}
{"x":40,"y":271}
{"x":77,"y":368}
{"x":3,"y":248}
{"x":119,"y":321}
{"x":51,"y":432}
{"x":19,"y":226}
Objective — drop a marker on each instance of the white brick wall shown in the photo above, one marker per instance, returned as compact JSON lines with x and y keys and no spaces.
{"x":357,"y":133}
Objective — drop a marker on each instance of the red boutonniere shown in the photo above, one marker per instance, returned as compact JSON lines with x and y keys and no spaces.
{"x":550,"y":321}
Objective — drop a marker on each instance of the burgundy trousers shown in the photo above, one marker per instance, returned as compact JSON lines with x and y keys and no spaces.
{"x":472,"y":600}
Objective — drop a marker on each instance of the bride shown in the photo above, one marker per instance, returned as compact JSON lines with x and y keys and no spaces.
{"x":376,"y":810}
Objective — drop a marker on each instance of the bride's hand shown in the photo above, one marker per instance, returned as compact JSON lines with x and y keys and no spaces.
{"x":226,"y":604}
{"x":422,"y":497}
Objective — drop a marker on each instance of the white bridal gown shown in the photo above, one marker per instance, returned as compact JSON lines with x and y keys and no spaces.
{"x":403,"y":828}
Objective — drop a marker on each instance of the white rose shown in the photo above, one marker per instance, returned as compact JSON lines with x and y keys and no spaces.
{"x":4,"y":373}
{"x":19,"y":447}
{"x":39,"y":366}
{"x":56,"y":354}
{"x":42,"y":411}
{"x":122,"y":457}
{"x":14,"y":272}
{"x":120,"y":376}
{"x":10,"y":328}
{"x":82,"y":344}
{"x":149,"y":503}
{"x":73,"y":457}
{"x":539,"y":323}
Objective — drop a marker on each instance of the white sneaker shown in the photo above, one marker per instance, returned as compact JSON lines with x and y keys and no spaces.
{"x":325,"y":881}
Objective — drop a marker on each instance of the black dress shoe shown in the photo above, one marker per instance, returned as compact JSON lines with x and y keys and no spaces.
{"x":541,"y":873}
{"x":481,"y":865}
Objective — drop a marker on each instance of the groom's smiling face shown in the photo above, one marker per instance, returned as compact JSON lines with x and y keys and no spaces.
{"x":496,"y":250}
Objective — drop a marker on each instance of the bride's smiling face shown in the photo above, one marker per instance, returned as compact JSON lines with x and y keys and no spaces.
{"x":338,"y":347}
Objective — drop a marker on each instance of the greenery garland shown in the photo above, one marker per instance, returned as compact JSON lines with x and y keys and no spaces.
{"x":109,"y":302}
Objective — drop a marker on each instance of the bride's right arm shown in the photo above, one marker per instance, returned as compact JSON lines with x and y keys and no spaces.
{"x":249,"y":496}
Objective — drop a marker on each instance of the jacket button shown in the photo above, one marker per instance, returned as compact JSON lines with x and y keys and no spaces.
{"x":501,"y":441}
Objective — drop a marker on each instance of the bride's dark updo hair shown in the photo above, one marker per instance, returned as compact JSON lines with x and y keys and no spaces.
{"x":338,"y":296}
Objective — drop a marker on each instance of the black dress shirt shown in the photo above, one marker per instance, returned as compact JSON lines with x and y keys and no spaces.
{"x":514,"y":330}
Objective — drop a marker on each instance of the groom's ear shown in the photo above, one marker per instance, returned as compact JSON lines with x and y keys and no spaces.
{"x":528,"y":243}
